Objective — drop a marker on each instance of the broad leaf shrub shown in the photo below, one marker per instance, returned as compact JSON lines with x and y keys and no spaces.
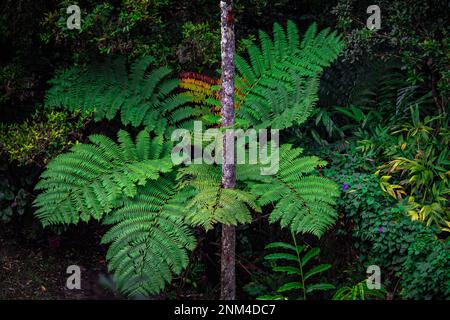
{"x":385,"y":235}
{"x":425,"y":272}
{"x":42,"y":137}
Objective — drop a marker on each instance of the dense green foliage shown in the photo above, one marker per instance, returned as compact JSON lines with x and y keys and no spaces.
{"x":425,"y":270}
{"x":94,"y":180}
{"x":364,"y":164}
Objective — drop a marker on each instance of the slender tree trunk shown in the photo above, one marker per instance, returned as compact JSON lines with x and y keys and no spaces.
{"x":228,"y":270}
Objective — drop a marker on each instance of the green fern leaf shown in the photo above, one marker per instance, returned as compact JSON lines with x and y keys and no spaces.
{"x":149,"y":238}
{"x":142,"y":97}
{"x":92,"y":179}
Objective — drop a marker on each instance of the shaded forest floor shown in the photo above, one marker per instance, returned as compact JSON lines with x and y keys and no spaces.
{"x":33,"y":264}
{"x":36,"y":269}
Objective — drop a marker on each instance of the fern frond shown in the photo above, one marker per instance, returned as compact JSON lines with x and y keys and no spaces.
{"x":92,"y":179}
{"x":149,"y":238}
{"x":279,"y":86}
{"x":198,"y":86}
{"x":303,"y":202}
{"x":142,"y":97}
{"x":212,"y":203}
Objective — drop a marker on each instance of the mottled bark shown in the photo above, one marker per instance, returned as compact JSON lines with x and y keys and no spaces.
{"x":228,"y":270}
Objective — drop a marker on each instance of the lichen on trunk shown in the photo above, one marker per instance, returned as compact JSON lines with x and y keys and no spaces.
{"x":228,"y":273}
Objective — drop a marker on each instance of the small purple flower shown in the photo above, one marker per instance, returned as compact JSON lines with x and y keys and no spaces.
{"x":380,"y":229}
{"x":345,"y":186}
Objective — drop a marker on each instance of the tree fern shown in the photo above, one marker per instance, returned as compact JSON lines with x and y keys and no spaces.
{"x":279,"y":83}
{"x":141,"y":97}
{"x":149,"y":238}
{"x":302,"y":201}
{"x":129,"y":184}
{"x":92,"y":179}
